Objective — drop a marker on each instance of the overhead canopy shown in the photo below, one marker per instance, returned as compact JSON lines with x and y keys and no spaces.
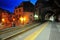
{"x":11,"y":4}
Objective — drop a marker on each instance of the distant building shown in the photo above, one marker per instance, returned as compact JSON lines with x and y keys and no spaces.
{"x":20,"y":16}
{"x":27,"y":12}
{"x":4,"y":19}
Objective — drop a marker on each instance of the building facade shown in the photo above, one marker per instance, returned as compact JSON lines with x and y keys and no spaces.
{"x":19,"y":17}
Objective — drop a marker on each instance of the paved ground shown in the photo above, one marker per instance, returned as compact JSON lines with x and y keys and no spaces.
{"x":31,"y":34}
{"x":51,"y":32}
{"x":55,"y":31}
{"x":46,"y":31}
{"x":6,"y":33}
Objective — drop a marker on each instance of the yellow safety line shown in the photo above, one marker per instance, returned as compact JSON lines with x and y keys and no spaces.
{"x":36,"y":33}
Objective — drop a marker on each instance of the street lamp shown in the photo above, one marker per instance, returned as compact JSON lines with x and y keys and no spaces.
{"x":36,"y":16}
{"x":23,"y":19}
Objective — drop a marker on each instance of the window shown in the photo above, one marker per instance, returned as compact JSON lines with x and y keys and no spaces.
{"x":16,"y":10}
{"x":19,"y":10}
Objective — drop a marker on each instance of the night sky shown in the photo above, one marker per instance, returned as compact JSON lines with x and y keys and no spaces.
{"x":11,"y":4}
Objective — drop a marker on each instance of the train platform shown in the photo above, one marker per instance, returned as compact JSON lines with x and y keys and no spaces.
{"x":45,"y":31}
{"x":6,"y":33}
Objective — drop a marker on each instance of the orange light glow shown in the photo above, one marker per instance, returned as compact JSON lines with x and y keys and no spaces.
{"x":13,"y":19}
{"x":23,"y":19}
{"x":3,"y":20}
